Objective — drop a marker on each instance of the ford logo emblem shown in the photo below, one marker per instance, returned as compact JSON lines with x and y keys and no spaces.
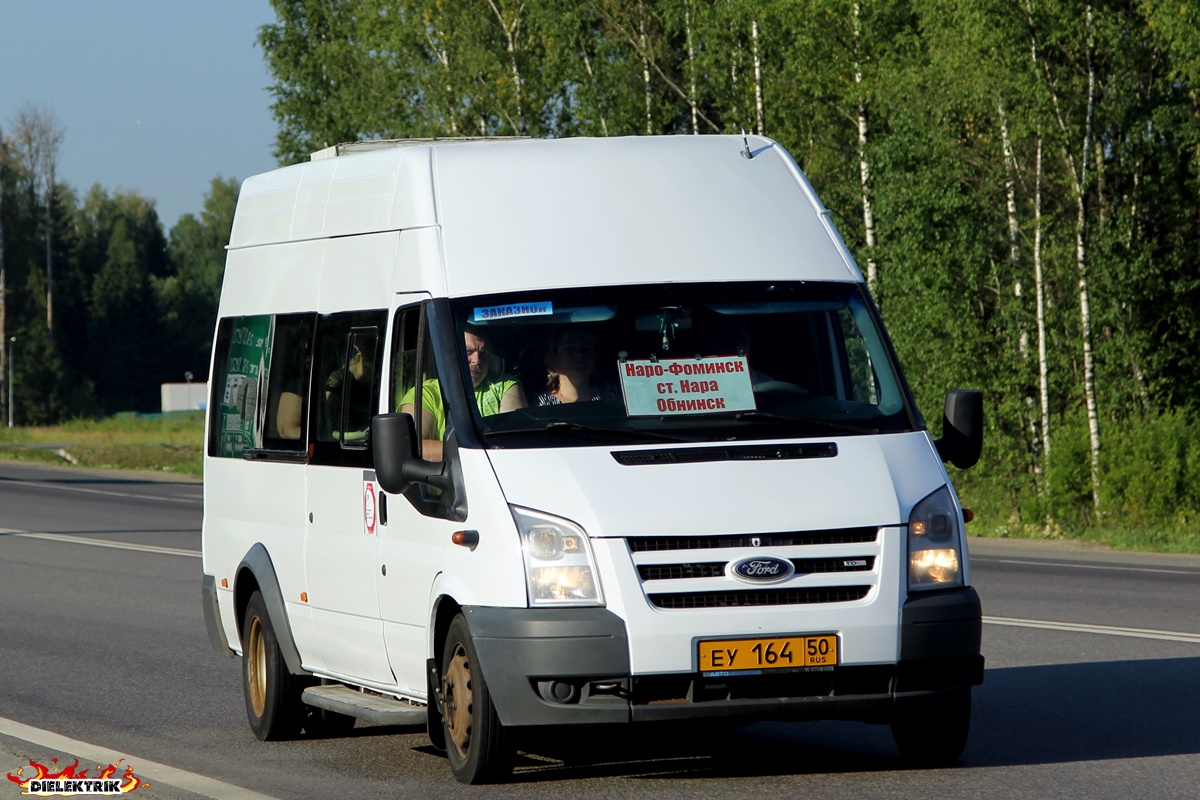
{"x":762,"y":569}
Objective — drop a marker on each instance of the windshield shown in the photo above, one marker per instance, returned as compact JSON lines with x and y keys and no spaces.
{"x":704,"y":362}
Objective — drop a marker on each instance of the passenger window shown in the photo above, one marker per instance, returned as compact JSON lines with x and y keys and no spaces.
{"x":291,"y":365}
{"x":260,"y":382}
{"x":346,"y":388}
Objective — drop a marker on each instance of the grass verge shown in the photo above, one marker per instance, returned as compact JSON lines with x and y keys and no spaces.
{"x":157,"y":443}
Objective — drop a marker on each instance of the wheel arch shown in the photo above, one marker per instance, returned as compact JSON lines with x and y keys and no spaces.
{"x":257,"y":573}
{"x":445,"y":609}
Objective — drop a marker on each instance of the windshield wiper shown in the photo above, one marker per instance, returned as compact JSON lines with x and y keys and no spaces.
{"x":559,"y":427}
{"x":762,"y":416}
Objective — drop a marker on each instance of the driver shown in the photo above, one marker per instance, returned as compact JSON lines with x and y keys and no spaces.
{"x":495,"y":393}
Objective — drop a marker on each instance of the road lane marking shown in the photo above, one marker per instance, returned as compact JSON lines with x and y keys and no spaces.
{"x":1106,"y":630}
{"x":143,"y":548}
{"x":1104,"y":567}
{"x":150,"y":771}
{"x":60,"y":487}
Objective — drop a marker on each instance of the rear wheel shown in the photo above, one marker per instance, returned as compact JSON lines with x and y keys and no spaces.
{"x":272,"y":693}
{"x":476,"y":744}
{"x":933,"y":732}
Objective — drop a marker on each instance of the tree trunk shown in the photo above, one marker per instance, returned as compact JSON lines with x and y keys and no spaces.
{"x":864,"y":167}
{"x":645,"y":67}
{"x":587,"y":64}
{"x":49,"y":252}
{"x":443,"y":57}
{"x":1040,"y":285}
{"x":687,"y":24}
{"x":510,"y":35}
{"x":758,"y":90}
{"x":1079,"y":177}
{"x":1014,"y":230}
{"x":1089,"y":367}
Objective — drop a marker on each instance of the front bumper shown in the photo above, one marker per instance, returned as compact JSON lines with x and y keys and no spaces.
{"x":571,"y":667}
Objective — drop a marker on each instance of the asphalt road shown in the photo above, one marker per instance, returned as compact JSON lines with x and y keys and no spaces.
{"x":1092,"y":687}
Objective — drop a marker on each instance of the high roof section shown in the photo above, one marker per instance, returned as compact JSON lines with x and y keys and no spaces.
{"x":522,"y":214}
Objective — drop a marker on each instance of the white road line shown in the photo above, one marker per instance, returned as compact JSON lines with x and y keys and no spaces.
{"x":1107,"y":630}
{"x":149,"y":771}
{"x":62,"y":488}
{"x":1105,"y":567}
{"x":143,"y":548}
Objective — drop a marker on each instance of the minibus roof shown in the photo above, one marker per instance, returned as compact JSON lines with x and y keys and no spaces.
{"x":516,"y":214}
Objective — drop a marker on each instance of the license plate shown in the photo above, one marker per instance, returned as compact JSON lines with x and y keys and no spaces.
{"x":754,"y":655}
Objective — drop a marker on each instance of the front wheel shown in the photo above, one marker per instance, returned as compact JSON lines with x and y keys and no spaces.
{"x":476,"y":744}
{"x":273,"y":703}
{"x":933,"y":732}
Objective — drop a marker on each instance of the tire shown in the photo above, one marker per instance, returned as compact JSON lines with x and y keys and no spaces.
{"x":933,"y":732}
{"x":272,"y":693}
{"x":476,"y":745}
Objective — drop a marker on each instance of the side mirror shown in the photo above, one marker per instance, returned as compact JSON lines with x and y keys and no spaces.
{"x":394,"y":449}
{"x":962,"y":428}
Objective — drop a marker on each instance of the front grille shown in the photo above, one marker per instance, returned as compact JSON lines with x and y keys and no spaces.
{"x":694,"y":572}
{"x":715,"y":569}
{"x":640,"y":544}
{"x":759,"y":597}
{"x":674,"y":572}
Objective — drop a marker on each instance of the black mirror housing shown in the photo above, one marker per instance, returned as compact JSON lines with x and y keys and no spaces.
{"x":398,"y":464}
{"x":962,"y":428}
{"x":394,"y":439}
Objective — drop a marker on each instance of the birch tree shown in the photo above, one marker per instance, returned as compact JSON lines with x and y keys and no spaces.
{"x":510,"y":25}
{"x":864,"y":167}
{"x":1078,"y":161}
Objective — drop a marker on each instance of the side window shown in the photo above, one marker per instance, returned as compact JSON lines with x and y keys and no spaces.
{"x":284,"y":425}
{"x":261,"y":377}
{"x":417,"y":390}
{"x":863,"y":382}
{"x":346,"y":386}
{"x":416,"y":367}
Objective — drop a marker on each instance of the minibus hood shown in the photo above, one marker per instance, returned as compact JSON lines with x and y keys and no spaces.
{"x":870,"y":481}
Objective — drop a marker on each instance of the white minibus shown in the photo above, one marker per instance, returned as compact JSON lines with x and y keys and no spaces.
{"x":514,"y":434}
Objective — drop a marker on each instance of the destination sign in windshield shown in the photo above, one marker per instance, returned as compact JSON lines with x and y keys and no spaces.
{"x":708,"y":385}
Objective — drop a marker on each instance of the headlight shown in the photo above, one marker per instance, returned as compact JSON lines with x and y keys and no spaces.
{"x":935,"y":542}
{"x":559,"y":569}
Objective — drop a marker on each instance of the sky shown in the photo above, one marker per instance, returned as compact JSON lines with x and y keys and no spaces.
{"x":153,"y":96}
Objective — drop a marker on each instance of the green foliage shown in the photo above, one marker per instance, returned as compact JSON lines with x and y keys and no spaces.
{"x":132,"y":309}
{"x":1153,"y":473}
{"x":187,"y":297}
